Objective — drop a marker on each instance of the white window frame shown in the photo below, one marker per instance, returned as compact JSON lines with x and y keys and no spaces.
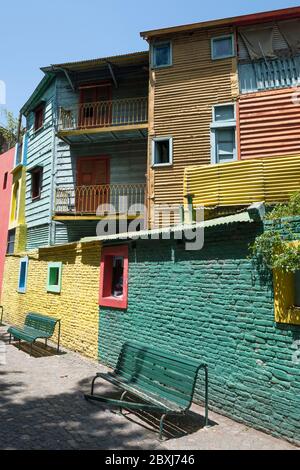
{"x":159,"y":139}
{"x":216,"y":38}
{"x":161,"y":43}
{"x":230,"y":124}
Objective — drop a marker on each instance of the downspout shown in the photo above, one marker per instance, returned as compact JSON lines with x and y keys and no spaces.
{"x":53,"y":170}
{"x":19,"y":128}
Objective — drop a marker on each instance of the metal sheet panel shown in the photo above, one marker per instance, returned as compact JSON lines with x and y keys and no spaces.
{"x":269,"y":124}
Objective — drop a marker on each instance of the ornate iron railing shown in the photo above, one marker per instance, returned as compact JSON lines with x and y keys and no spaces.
{"x":104,"y":114}
{"x":100,"y":199}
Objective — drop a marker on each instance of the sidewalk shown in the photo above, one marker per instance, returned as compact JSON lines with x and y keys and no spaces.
{"x":42,"y":407}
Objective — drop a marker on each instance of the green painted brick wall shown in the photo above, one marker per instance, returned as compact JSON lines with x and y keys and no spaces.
{"x":213,"y":305}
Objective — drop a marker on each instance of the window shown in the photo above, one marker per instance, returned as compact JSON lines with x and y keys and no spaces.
{"x":5,"y":180}
{"x":297,"y":288}
{"x":114,"y":277}
{"x":23,"y":275}
{"x":162,"y":150}
{"x":161,"y":54}
{"x":39,"y":116}
{"x":54,"y":277}
{"x":36,"y":182}
{"x":222,"y":47}
{"x":11,"y":242}
{"x":223,"y":134}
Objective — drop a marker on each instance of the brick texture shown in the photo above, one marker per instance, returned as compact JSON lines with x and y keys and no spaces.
{"x":76,"y":305}
{"x":213,"y":305}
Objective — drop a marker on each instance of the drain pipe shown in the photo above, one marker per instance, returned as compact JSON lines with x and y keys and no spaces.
{"x":53,"y":170}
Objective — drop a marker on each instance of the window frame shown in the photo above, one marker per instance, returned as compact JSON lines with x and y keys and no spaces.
{"x":152,"y":56}
{"x":217,"y":38}
{"x":5,"y":180}
{"x":56,"y":289}
{"x":9,"y":243}
{"x":108,"y":253}
{"x":25,"y":260}
{"x":215,"y":125}
{"x":39,"y":109}
{"x":34,"y":171}
{"x":296,"y":293}
{"x":160,"y":139}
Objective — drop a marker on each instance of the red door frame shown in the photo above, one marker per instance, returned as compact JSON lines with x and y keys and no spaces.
{"x":103,"y":83}
{"x":86,"y":200}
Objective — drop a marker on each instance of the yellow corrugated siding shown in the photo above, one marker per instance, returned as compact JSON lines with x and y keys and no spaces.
{"x":183,"y":96}
{"x":243,"y":182}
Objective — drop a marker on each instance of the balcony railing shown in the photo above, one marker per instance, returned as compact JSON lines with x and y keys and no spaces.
{"x":104,"y":114}
{"x":100,"y":199}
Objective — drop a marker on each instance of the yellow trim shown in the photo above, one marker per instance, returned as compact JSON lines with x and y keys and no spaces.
{"x":95,"y":217}
{"x":102,"y":130}
{"x":284,"y":295}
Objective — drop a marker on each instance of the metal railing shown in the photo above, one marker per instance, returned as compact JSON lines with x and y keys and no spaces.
{"x":104,"y":114}
{"x":100,"y":199}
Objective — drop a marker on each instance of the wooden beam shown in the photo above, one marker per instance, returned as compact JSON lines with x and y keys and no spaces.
{"x":95,"y":217}
{"x":112,"y":74}
{"x":101,"y":130}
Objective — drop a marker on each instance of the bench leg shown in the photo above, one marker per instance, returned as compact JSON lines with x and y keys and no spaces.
{"x":122,"y":396}
{"x":46,"y":342}
{"x":9,"y":338}
{"x":161,"y":425}
{"x":19,"y":344}
{"x":93,"y":383}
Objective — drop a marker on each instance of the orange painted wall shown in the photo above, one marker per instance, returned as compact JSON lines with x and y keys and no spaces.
{"x":6,"y":165}
{"x":269,"y":123}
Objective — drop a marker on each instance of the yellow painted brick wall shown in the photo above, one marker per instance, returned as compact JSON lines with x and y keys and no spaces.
{"x":76,"y":305}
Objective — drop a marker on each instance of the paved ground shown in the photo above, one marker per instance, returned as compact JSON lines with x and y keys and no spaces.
{"x":42,"y":407}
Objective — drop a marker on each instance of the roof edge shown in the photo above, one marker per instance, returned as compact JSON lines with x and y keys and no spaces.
{"x":235,"y":20}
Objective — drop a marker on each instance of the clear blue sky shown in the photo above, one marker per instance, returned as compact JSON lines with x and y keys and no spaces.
{"x":37,"y":33}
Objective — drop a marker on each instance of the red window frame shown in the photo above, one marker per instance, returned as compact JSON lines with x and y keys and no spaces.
{"x":39,"y":116}
{"x":106,"y":299}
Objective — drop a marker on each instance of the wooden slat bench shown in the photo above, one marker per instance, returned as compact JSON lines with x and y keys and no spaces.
{"x":165,"y":382}
{"x":36,"y":326}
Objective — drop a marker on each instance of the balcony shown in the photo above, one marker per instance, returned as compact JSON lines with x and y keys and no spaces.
{"x":272,"y":180}
{"x":99,"y":201}
{"x":103,"y":118}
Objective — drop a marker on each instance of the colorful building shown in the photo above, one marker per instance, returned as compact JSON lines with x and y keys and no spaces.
{"x":6,"y":165}
{"x":220,"y":100}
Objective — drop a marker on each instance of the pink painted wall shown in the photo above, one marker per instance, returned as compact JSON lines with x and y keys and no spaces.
{"x":6,"y":165}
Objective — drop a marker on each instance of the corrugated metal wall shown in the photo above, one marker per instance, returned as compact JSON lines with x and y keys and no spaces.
{"x":181,"y":100}
{"x":243,"y":182}
{"x":269,"y":123}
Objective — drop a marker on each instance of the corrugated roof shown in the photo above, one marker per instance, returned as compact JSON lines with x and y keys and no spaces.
{"x":91,"y":63}
{"x":233,"y":21}
{"x":243,"y":217}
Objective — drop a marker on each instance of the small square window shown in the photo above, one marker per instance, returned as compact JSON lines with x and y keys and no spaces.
{"x":161,"y":54}
{"x":36,"y":182}
{"x":54,"y":277}
{"x":5,"y":178}
{"x":39,"y":116}
{"x":162,"y":149}
{"x":297,"y":288}
{"x":114,"y":277}
{"x":224,"y":113}
{"x":222,"y":47}
{"x":23,"y":275}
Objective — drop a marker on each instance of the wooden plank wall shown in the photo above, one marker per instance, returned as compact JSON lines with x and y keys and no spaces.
{"x":180,"y":105}
{"x":269,"y":123}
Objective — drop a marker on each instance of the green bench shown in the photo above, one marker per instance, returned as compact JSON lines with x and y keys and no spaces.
{"x":164,"y":382}
{"x":36,"y":326}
